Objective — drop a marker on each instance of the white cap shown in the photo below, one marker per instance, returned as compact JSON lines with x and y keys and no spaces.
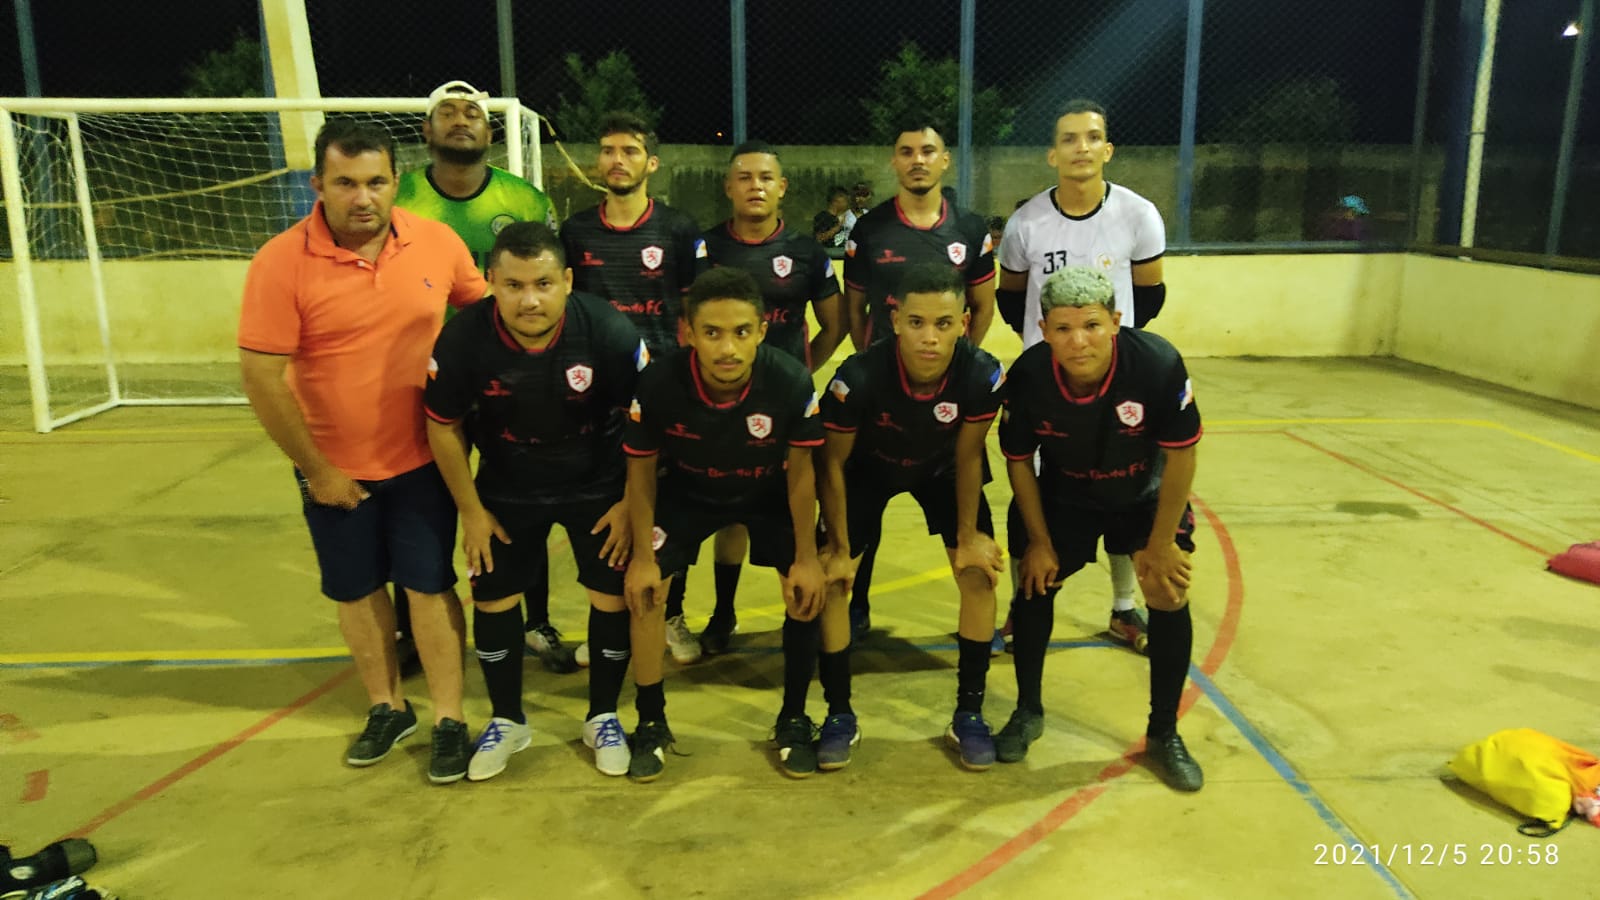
{"x":458,"y":90}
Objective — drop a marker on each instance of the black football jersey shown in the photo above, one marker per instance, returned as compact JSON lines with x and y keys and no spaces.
{"x":724,"y":456}
{"x":547,"y":423}
{"x":904,"y":438}
{"x":1101,"y":452}
{"x":792,"y":270}
{"x":884,"y":243}
{"x":643,"y":269}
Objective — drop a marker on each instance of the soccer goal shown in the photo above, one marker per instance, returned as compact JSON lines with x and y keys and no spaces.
{"x":129,"y":225}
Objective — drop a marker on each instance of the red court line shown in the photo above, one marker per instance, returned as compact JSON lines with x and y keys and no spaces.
{"x":1062,"y":813}
{"x":33,"y":790}
{"x":199,"y":762}
{"x":1416,"y":493}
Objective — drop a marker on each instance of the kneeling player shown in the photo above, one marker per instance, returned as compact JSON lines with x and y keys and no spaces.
{"x":910,"y":416}
{"x":1113,"y":417}
{"x":731,"y":425}
{"x":539,"y":376}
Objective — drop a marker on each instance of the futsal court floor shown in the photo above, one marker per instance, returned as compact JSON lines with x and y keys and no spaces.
{"x":1370,"y":596}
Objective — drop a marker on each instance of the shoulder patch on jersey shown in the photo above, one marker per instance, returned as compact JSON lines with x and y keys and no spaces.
{"x":839,"y":389}
{"x":827,"y":267}
{"x":958,"y":252}
{"x":1186,"y":396}
{"x":759,"y":424}
{"x":635,"y":410}
{"x":652,"y":256}
{"x":946,"y":412}
{"x":782,"y":266}
{"x":580,"y":377}
{"x":641,"y":356}
{"x":988,"y":244}
{"x":433,"y":369}
{"x":699,"y":248}
{"x":1131,"y":412}
{"x":850,"y":248}
{"x":812,"y":406}
{"x":997,"y":379}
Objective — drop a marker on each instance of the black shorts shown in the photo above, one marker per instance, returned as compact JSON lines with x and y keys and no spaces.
{"x":1075,"y":533}
{"x":405,"y":533}
{"x":681,"y":528}
{"x":526,"y":561}
{"x":866,"y":501}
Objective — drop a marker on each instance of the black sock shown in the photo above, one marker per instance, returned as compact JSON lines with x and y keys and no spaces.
{"x":799,"y":663}
{"x":402,"y":612}
{"x":537,"y":598}
{"x":1171,"y":643}
{"x":650,"y":702}
{"x":972,"y":670}
{"x":860,"y":591}
{"x":608,"y":659}
{"x":675,"y":594}
{"x":835,"y":671}
{"x":727,"y":578}
{"x":499,"y":641}
{"x":1031,"y":623}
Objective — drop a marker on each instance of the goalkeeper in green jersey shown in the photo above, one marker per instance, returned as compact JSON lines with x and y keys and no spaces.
{"x":476,"y":200}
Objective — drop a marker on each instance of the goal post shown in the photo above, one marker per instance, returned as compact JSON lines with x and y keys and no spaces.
{"x":129,"y":224}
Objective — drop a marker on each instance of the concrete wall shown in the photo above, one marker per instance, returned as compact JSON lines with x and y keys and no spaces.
{"x":1523,"y":328}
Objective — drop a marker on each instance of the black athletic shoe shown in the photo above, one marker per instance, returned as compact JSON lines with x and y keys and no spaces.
{"x":1171,"y":760}
{"x":718,"y":634}
{"x":544,"y":641}
{"x":386,"y":727}
{"x":650,"y":743}
{"x":452,"y":752}
{"x":860,"y":622}
{"x":797,"y":748}
{"x":1022,"y":729}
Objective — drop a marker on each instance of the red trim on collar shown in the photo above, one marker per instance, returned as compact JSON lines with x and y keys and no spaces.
{"x":769,"y":239}
{"x":944,"y":213}
{"x":905,"y":383}
{"x":1105,"y":383}
{"x":700,"y":388}
{"x":649,"y":207}
{"x":511,"y":342}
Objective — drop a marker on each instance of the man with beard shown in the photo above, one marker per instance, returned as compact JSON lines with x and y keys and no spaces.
{"x":792,"y":272}
{"x":641,"y":255}
{"x":916,"y":225}
{"x":537,"y":377}
{"x":476,"y":200}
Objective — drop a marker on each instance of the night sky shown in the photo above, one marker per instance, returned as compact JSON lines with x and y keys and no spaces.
{"x":807,"y":72}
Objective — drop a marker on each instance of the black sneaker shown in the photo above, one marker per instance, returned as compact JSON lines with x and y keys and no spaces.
{"x":969,"y":735}
{"x":544,"y":641}
{"x":452,"y":752}
{"x":650,"y":743}
{"x":839,"y":733}
{"x":1171,"y":760}
{"x":386,"y":727}
{"x":860,"y":622}
{"x":718,"y":634}
{"x":797,"y":748}
{"x":1022,"y":729}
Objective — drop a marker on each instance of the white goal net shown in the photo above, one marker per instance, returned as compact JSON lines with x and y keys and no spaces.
{"x":128,"y":226}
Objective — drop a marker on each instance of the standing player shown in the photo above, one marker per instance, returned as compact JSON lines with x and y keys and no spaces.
{"x":641,"y":255}
{"x":792,"y":271}
{"x":539,"y":377}
{"x":1111,"y":414}
{"x":1086,"y":221}
{"x":338,"y":314}
{"x":916,"y":225}
{"x":731,"y":424}
{"x":910,"y":416}
{"x":461,"y":189}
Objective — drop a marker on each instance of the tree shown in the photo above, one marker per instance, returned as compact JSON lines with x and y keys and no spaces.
{"x":234,"y":72}
{"x":611,"y":85}
{"x":911,"y":86}
{"x":1302,"y":111}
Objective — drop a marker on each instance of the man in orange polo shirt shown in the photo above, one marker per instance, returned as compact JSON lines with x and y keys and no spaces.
{"x":340,"y":313}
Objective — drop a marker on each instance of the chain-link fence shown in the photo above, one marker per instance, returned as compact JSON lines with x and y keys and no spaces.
{"x":1302,"y":127}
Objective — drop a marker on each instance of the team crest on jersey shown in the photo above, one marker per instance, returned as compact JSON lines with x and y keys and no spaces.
{"x":958,"y":252}
{"x":782,"y":266}
{"x":500,"y":221}
{"x":1131,"y":412}
{"x":1104,"y":261}
{"x":946,"y":412}
{"x":760,"y":425}
{"x":657,"y":538}
{"x":580,"y":377}
{"x":839,"y":389}
{"x":652,"y":256}
{"x":433,"y":368}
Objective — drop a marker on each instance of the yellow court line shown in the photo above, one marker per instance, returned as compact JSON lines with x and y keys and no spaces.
{"x":289,"y":653}
{"x":1365,"y":420}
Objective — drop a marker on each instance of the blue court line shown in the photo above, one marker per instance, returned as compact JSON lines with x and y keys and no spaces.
{"x":1287,"y":772}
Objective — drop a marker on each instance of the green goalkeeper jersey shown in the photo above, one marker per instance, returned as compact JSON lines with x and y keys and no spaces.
{"x":503,"y":199}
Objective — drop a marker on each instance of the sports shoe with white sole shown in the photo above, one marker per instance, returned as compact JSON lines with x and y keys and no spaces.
{"x":604,"y":735}
{"x":500,"y":739}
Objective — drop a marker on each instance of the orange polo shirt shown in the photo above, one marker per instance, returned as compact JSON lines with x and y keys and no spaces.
{"x":358,"y":334}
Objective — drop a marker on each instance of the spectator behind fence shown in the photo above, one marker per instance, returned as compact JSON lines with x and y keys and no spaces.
{"x":828,"y":226}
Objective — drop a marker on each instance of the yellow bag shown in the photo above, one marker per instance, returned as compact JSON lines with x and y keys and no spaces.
{"x":1531,"y":772}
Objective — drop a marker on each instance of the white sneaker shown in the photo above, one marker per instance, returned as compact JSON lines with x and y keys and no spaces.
{"x":604,"y":735}
{"x":500,"y":739}
{"x":684,"y":646}
{"x":581,"y":655}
